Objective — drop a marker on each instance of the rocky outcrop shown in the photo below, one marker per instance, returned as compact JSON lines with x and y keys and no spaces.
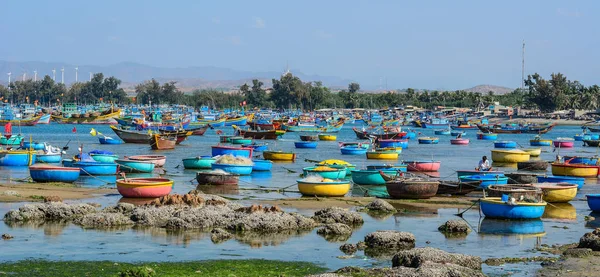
{"x":338,"y":215}
{"x":455,"y":227}
{"x":49,"y":211}
{"x":335,"y":232}
{"x":418,"y":256}
{"x":381,"y":206}
{"x":348,"y":248}
{"x":390,"y":240}
{"x":590,"y":240}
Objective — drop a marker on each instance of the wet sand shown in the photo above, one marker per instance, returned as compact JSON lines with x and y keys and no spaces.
{"x":573,"y":267}
{"x":36,"y":191}
{"x":348,"y":202}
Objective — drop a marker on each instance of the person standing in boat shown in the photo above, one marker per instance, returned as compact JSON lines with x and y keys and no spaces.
{"x":484,"y":164}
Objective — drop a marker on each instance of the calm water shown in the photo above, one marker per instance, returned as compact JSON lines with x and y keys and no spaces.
{"x":495,"y":238}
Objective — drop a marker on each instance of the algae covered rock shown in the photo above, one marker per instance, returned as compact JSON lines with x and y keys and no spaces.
{"x":418,"y":256}
{"x":338,"y":215}
{"x":335,"y":232}
{"x":219,"y":235}
{"x":379,"y":205}
{"x":455,"y":227}
{"x":49,"y":210}
{"x":390,"y":240}
{"x":590,"y":240}
{"x":103,"y":219}
{"x":348,"y":248}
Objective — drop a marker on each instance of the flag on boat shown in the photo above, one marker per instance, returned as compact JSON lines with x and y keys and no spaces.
{"x":74,"y":130}
{"x":8,"y":128}
{"x":93,"y":132}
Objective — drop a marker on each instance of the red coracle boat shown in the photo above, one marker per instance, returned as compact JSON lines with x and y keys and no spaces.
{"x":144,"y":187}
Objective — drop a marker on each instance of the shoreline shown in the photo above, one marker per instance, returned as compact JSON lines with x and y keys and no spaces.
{"x":35,"y":192}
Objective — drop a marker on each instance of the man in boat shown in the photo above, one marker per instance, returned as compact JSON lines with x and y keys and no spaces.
{"x":484,"y":164}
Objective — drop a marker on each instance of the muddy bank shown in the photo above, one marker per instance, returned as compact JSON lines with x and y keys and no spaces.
{"x":582,"y":259}
{"x":35,"y":192}
{"x":433,"y":203}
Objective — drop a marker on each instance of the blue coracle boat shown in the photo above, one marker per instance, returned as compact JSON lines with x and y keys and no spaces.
{"x":353,"y":150}
{"x":582,"y":160}
{"x":505,"y":144}
{"x":133,"y":166}
{"x":219,"y":150}
{"x":33,"y":145}
{"x":17,"y":157}
{"x":456,"y":133}
{"x":48,"y":158}
{"x":234,"y":168}
{"x":262,"y":165}
{"x":486,"y":180}
{"x":305,"y":144}
{"x":494,"y":207}
{"x":45,"y":173}
{"x":89,"y":166}
{"x":487,"y":136}
{"x":258,"y":147}
{"x":593,"y":201}
{"x":385,"y":143}
{"x":401,"y":167}
{"x":579,"y":181}
{"x":372,"y":177}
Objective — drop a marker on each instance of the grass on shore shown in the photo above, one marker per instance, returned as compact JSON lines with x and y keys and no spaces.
{"x":216,"y":268}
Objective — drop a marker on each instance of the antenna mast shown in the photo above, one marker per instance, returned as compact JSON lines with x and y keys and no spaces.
{"x":523,"y":68}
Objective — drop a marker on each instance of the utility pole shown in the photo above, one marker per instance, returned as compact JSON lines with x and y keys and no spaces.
{"x":62,"y":72}
{"x":523,"y":68}
{"x":54,"y":75}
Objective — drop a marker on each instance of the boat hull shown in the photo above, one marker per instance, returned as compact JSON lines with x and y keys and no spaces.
{"x":279,"y":156}
{"x":132,"y":166}
{"x":45,"y":173}
{"x":306,"y":144}
{"x":218,"y":150}
{"x":486,"y":180}
{"x":423,"y":166}
{"x":17,"y":158}
{"x":481,"y":136}
{"x":326,"y":137}
{"x":575,"y":170}
{"x":387,"y":155}
{"x":233,"y":168}
{"x":157,"y":160}
{"x":333,"y":173}
{"x":262,"y":165}
{"x":593,"y":201}
{"x":412,"y":189}
{"x":198,"y":163}
{"x":353,"y":150}
{"x":109,"y":140}
{"x":208,"y":178}
{"x":104,"y":158}
{"x":324,"y":189}
{"x":92,"y":168}
{"x":144,"y":187}
{"x":48,"y":158}
{"x":460,"y":141}
{"x":494,"y":207}
{"x":579,"y":181}
{"x":510,"y":156}
{"x":372,"y":177}
{"x":557,"y":193}
{"x":540,"y":142}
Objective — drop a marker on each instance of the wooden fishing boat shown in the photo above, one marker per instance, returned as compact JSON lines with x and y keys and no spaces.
{"x":516,"y":191}
{"x":576,"y":170}
{"x":314,"y":129}
{"x":106,"y":117}
{"x":204,"y":162}
{"x":510,"y":156}
{"x":309,"y":137}
{"x":131,"y":136}
{"x":219,"y":150}
{"x":327,"y":137}
{"x":144,"y":187}
{"x":412,"y":189}
{"x":325,"y":188}
{"x":533,"y":165}
{"x":17,"y":157}
{"x":382,"y":155}
{"x":497,"y":130}
{"x":423,"y":166}
{"x":214,"y":123}
{"x":459,"y":141}
{"x":521,"y":178}
{"x":279,"y":156}
{"x":162,"y":142}
{"x":180,"y":135}
{"x":533,"y":152}
{"x":457,"y":188}
{"x":494,"y":207}
{"x":557,"y":192}
{"x":238,"y":120}
{"x":267,"y":134}
{"x":385,"y":135}
{"x":133,"y":166}
{"x":564,"y":142}
{"x":219,"y":178}
{"x":46,"y":173}
{"x":200,"y":130}
{"x":32,"y":121}
{"x":157,"y":160}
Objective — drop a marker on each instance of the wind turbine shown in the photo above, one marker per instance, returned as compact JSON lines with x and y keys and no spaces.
{"x":35,"y":75}
{"x":62,"y":71}
{"x":76,"y":70}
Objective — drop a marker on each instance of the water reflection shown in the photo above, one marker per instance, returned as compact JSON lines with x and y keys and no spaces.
{"x":259,"y":239}
{"x":593,"y":224}
{"x":167,"y":236}
{"x":560,"y":211}
{"x":511,"y":227}
{"x":97,"y":181}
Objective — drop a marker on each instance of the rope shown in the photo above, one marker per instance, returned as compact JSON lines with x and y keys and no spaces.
{"x":461,"y":213}
{"x":84,"y":171}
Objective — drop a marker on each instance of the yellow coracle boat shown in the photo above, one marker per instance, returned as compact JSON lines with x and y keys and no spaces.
{"x":510,"y":156}
{"x":326,"y":187}
{"x":557,"y":192}
{"x":327,"y":137}
{"x":279,"y":156}
{"x":534,"y":152}
{"x":575,"y":170}
{"x":382,"y":155}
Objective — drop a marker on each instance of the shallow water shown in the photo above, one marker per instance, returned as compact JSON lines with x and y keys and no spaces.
{"x":494,"y":239}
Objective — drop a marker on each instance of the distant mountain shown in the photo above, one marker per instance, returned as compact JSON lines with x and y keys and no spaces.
{"x":487,"y":88}
{"x":130,"y":73}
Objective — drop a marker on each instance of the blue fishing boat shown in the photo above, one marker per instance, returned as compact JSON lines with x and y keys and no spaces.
{"x":234,"y":168}
{"x":579,"y":181}
{"x":203,"y":162}
{"x":325,"y":172}
{"x":373,"y":177}
{"x":33,"y":145}
{"x":456,"y":133}
{"x":13,"y":140}
{"x":17,"y":157}
{"x":219,"y":150}
{"x":46,"y":173}
{"x":103,"y":156}
{"x":486,"y":180}
{"x":315,"y":129}
{"x":262,"y":165}
{"x":411,"y":135}
{"x":461,"y":173}
{"x":491,"y":226}
{"x":442,"y":132}
{"x":579,"y":137}
{"x":258,"y":147}
{"x":505,"y":144}
{"x":495,"y":207}
{"x":429,"y":140}
{"x":305,"y":144}
{"x":239,"y":121}
{"x":133,"y":166}
{"x":385,"y":143}
{"x":109,"y":140}
{"x":487,"y":136}
{"x":593,"y":201}
{"x":48,"y":158}
{"x":353,"y":150}
{"x":582,"y":160}
{"x":92,"y":167}
{"x":436,"y":123}
{"x":396,"y":167}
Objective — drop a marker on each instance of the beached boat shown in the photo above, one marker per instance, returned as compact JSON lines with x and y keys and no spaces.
{"x":423,"y":166}
{"x":219,"y":150}
{"x":487,"y":136}
{"x":505,"y":144}
{"x":564,"y":142}
{"x":579,"y":181}
{"x":486,"y":180}
{"x":17,"y":157}
{"x":233,"y":168}
{"x":382,"y":155}
{"x":557,"y":192}
{"x":279,"y":156}
{"x":353,"y":150}
{"x":459,"y":141}
{"x":305,"y":144}
{"x":258,"y":147}
{"x":47,"y":173}
{"x":533,"y":165}
{"x":429,"y":140}
{"x":412,"y":189}
{"x":510,"y":156}
{"x":92,"y":168}
{"x":262,"y":165}
{"x":538,"y":141}
{"x":325,"y":172}
{"x":157,"y":160}
{"x":516,"y":191}
{"x":339,"y":164}
{"x":219,"y":178}
{"x":132,"y":166}
{"x":533,"y":152}
{"x":203,"y":162}
{"x":162,"y":142}
{"x":575,"y":170}
{"x":144,"y":187}
{"x":327,"y":137}
{"x":494,"y":207}
{"x":593,"y":201}
{"x":324,"y":188}
{"x":457,"y":188}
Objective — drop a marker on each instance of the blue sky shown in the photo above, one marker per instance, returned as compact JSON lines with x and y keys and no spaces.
{"x":422,"y":44}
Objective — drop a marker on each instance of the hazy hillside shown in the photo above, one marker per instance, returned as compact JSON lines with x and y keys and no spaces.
{"x":487,"y":88}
